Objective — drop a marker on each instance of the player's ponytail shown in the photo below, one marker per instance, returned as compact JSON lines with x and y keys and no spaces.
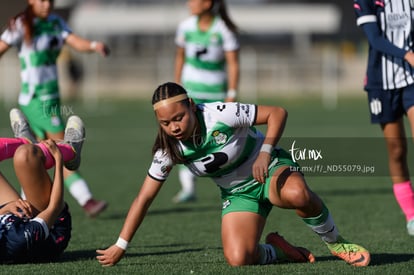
{"x":27,"y":17}
{"x":27,"y":20}
{"x":219,"y":7}
{"x":165,"y":92}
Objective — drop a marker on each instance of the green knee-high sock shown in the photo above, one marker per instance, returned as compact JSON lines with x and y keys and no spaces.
{"x":323,"y":225}
{"x":78,"y":188}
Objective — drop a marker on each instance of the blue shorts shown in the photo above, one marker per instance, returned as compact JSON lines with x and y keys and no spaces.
{"x":23,"y":240}
{"x":390,"y":105}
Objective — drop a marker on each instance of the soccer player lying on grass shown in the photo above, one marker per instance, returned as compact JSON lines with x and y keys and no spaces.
{"x":37,"y":228}
{"x":219,"y":140}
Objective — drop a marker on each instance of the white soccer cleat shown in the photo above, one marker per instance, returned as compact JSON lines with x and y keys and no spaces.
{"x":410,"y":227}
{"x":74,"y":135}
{"x":20,"y":126}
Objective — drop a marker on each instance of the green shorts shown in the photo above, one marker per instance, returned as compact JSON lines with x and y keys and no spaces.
{"x":252,"y":196}
{"x":44,"y":116}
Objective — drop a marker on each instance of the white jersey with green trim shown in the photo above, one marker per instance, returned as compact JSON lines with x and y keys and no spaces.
{"x":204,"y":73}
{"x":228,"y":147}
{"x":39,"y":73}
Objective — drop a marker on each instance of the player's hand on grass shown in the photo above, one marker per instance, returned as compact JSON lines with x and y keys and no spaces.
{"x":110,"y":256}
{"x":260,"y":167}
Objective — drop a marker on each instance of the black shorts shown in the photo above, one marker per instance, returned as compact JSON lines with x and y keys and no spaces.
{"x":389,"y":106}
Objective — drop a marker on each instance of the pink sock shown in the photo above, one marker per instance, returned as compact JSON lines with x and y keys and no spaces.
{"x":404,"y":194}
{"x":9,"y":145}
{"x":66,"y":150}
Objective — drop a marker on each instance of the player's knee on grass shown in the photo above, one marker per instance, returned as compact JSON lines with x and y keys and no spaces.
{"x":239,"y":257}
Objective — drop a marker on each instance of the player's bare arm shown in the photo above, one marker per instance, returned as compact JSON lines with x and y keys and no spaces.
{"x":85,"y":45}
{"x":136,"y":214}
{"x":56,"y":204}
{"x":3,"y":47}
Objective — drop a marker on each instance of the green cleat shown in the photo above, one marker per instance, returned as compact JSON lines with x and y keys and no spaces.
{"x":351,"y":253}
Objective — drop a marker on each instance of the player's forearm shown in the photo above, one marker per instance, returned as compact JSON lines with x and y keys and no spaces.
{"x":275,"y":119}
{"x":233,"y":77}
{"x":81,"y":44}
{"x":139,"y":207}
{"x":179,"y":64}
{"x":134,"y":218}
{"x":56,"y":196}
{"x":3,"y":48}
{"x":56,"y":203}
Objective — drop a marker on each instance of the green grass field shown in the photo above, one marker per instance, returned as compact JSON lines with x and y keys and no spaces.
{"x":185,"y":239}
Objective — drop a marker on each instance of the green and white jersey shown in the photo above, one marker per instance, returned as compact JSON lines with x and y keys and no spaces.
{"x":204,"y":73}
{"x":39,"y":74}
{"x":228,"y":148}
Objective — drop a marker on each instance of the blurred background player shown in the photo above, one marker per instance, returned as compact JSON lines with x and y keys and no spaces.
{"x":38,"y":228}
{"x":206,"y":64}
{"x":390,"y":85}
{"x":39,"y":35}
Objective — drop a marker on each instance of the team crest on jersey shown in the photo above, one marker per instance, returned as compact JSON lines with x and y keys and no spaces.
{"x":375,"y":106}
{"x":226,"y":204}
{"x":166,"y":168}
{"x":220,"y":138}
{"x":214,"y":39}
{"x":55,"y":120}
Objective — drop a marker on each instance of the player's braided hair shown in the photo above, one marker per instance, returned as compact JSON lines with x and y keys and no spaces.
{"x":164,"y":141}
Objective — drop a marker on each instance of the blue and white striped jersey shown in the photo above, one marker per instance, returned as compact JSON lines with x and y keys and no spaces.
{"x":394,"y":19}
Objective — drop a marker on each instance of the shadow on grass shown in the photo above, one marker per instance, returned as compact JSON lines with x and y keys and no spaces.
{"x":353,"y":192}
{"x":171,"y":252}
{"x":389,"y":258}
{"x":181,"y":209}
{"x":377,"y":259}
{"x":84,"y":255}
{"x":78,"y":255}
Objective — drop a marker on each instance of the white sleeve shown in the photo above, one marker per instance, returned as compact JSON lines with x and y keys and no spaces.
{"x":234,"y":114}
{"x":180,"y":35}
{"x":13,"y":36}
{"x":230,"y":41}
{"x":43,"y":224}
{"x":160,"y":167}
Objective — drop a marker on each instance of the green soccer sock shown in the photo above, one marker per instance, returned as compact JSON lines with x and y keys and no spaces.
{"x":323,"y":225}
{"x":78,"y":188}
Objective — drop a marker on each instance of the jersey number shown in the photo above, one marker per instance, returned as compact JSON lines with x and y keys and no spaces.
{"x":213,"y":162}
{"x":200,"y":51}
